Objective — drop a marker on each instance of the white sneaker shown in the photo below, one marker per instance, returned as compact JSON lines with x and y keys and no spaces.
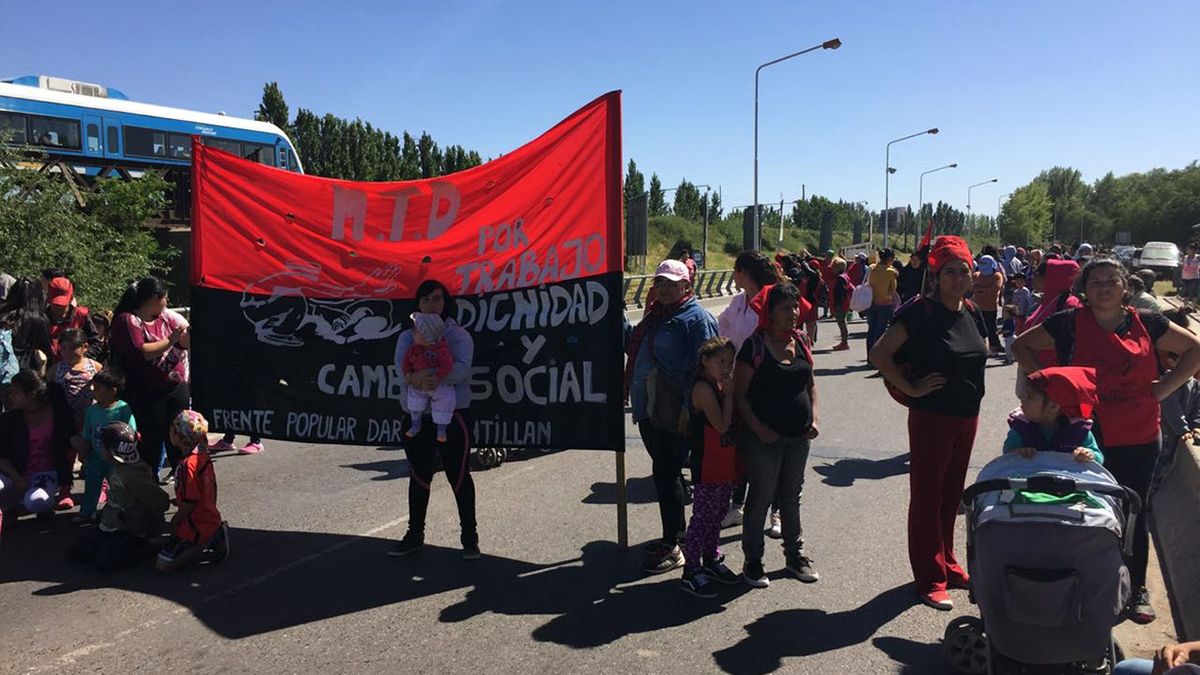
{"x":776,"y":531}
{"x":733,"y":518}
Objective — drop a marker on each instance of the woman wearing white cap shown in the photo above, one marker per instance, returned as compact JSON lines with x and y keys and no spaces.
{"x":661,"y":361}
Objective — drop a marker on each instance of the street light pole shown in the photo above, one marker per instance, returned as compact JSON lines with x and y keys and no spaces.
{"x":921,"y":188}
{"x":828,"y":44}
{"x":972,"y":187}
{"x":887,"y":177}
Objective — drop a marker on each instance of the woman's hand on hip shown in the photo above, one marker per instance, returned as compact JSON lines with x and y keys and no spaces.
{"x":813,"y":431}
{"x":926,"y":385}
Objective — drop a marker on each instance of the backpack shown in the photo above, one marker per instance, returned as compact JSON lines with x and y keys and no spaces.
{"x":903,"y":361}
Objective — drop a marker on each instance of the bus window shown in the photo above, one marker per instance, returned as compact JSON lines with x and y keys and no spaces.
{"x":114,"y":145}
{"x":291,"y":160}
{"x":263,"y":154}
{"x":55,"y":133}
{"x":180,"y":146}
{"x":93,"y":137}
{"x":221,"y":144}
{"x":12,"y":125}
{"x":141,"y":142}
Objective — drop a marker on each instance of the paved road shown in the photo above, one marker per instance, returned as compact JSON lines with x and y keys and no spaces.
{"x":309,"y":588}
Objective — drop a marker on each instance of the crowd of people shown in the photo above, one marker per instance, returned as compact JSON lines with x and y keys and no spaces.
{"x":104,"y":398}
{"x":731,"y":399}
{"x":1106,"y":375}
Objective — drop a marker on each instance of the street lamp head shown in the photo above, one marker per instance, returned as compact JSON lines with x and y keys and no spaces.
{"x":993,"y":180}
{"x":891,"y":169}
{"x":831,"y":44}
{"x":953,"y":166}
{"x":932,"y":131}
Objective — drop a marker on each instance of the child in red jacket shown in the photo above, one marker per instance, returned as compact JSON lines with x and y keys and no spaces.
{"x":430,"y":351}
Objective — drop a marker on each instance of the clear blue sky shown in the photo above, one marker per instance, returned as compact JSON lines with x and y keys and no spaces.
{"x":1015,"y":86}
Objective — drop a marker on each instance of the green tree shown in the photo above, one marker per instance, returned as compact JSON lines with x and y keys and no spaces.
{"x":658,"y":204}
{"x":102,"y":245}
{"x":410,"y":159}
{"x":687,"y":202}
{"x":273,"y":108}
{"x":1027,"y":216}
{"x":306,"y":135}
{"x":635,"y":182}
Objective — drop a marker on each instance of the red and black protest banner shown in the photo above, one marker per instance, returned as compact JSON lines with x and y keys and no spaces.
{"x":302,"y":285}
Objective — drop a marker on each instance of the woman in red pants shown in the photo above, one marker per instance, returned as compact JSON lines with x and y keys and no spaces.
{"x":941,"y":338}
{"x":1121,"y":343}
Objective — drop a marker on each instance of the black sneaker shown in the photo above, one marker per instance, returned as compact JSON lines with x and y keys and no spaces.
{"x":669,"y":559}
{"x":802,"y":568}
{"x":1140,"y":610}
{"x":697,"y":583}
{"x":409,"y":544}
{"x":754,"y":575}
{"x":471,"y":553}
{"x":719,"y":572}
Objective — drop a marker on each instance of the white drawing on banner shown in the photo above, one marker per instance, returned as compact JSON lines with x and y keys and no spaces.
{"x":341,"y":314}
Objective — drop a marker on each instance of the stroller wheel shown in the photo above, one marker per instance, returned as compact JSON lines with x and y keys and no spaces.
{"x":965,"y":646}
{"x":488,"y":457}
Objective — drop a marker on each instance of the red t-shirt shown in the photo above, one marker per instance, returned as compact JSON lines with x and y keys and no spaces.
{"x":196,"y":482}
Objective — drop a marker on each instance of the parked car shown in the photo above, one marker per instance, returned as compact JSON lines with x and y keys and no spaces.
{"x":1124,"y":253}
{"x":1160,"y":256}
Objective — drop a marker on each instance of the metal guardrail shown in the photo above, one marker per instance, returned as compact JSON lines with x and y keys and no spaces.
{"x":709,"y":284}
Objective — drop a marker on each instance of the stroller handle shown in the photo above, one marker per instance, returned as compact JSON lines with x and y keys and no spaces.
{"x":1057,"y":485}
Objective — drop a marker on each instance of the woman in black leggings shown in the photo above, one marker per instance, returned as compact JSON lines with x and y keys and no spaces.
{"x":433,"y":298}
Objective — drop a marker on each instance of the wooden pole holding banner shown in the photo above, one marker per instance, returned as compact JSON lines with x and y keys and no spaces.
{"x":622,"y":503}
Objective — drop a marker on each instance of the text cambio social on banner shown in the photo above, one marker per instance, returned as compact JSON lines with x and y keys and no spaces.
{"x":302,"y":285}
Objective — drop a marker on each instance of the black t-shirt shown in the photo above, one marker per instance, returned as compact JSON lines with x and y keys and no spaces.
{"x":779,"y":392}
{"x":1061,"y":327}
{"x":950,"y":343}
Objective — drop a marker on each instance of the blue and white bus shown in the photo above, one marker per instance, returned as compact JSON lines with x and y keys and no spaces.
{"x":98,"y":131}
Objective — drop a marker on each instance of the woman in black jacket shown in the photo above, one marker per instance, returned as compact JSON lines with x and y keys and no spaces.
{"x":35,"y":444}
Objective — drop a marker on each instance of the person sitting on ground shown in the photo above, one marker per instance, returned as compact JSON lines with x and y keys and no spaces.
{"x":1180,"y":659}
{"x":714,"y":468}
{"x":74,"y":372}
{"x":198,"y":530}
{"x":1055,"y":415}
{"x":132,"y":519}
{"x":108,"y":407}
{"x":35,"y":444}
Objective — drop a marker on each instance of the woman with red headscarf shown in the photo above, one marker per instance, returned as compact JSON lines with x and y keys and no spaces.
{"x":940,"y":337}
{"x":1122,"y":344}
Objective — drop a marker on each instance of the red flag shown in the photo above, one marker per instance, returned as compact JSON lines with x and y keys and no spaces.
{"x":928,"y":238}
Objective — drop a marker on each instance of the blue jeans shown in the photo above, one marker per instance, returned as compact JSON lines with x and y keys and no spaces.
{"x":878,"y":318}
{"x":1134,"y":667}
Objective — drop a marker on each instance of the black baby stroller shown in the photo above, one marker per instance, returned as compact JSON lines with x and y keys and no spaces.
{"x":1047,"y":552}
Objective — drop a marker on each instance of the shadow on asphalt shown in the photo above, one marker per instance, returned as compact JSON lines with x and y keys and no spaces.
{"x":809,"y":632}
{"x":844,"y":370}
{"x":276,"y":580}
{"x":844,"y":472}
{"x":918,"y":658}
{"x":638,"y":490}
